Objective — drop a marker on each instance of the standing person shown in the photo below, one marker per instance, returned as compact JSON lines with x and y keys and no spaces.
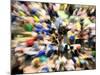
{"x":80,"y":36}
{"x":52,"y":12}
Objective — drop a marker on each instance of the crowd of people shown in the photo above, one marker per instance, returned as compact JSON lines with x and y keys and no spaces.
{"x":52,"y":37}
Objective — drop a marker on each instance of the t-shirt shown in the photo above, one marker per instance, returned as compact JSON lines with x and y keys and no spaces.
{"x":94,"y":53}
{"x":62,"y":14}
{"x":86,"y":21}
{"x":70,"y":34}
{"x":58,"y":22}
{"x":36,"y":19}
{"x":78,"y":26}
{"x":21,"y":13}
{"x":28,"y":27}
{"x":29,"y":42}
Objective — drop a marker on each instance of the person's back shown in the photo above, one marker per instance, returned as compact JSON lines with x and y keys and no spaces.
{"x":28,"y":27}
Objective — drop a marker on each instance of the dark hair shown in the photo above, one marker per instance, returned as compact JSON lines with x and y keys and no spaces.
{"x":71,"y":47}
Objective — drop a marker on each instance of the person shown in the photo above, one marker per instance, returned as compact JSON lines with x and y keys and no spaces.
{"x":28,"y":26}
{"x":69,"y":66}
{"x":16,"y":70}
{"x":52,"y":31}
{"x":34,"y":67}
{"x":29,"y":42}
{"x":52,"y":12}
{"x":18,"y":66}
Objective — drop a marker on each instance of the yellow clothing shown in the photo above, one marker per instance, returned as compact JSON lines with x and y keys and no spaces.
{"x":70,"y":34}
{"x":36,"y":61}
{"x":21,"y":13}
{"x":78,"y":26}
{"x":36,"y":19}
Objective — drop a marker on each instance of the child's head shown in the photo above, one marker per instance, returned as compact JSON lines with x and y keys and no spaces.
{"x":36,"y":62}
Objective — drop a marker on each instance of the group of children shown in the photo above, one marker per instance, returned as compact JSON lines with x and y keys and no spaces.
{"x":52,"y":37}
